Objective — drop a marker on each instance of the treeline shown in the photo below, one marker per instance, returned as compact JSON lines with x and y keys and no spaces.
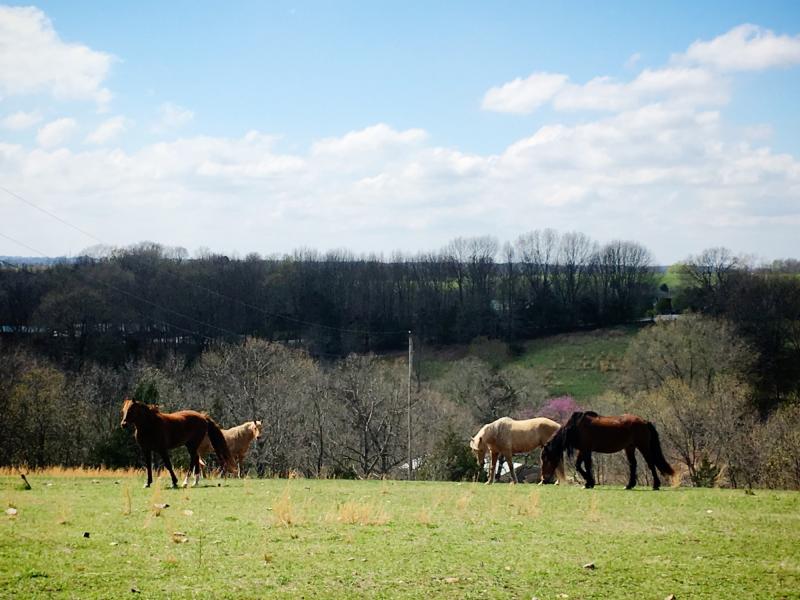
{"x":291,"y":341}
{"x":763,"y":306}
{"x":147,"y":300}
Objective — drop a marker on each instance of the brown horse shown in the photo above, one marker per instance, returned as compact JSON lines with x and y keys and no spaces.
{"x":157,"y":431}
{"x":588,"y":432}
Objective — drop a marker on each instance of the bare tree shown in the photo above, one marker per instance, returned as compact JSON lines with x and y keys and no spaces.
{"x":369,"y":406}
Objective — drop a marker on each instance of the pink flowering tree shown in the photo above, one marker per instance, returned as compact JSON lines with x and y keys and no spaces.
{"x":559,"y":409}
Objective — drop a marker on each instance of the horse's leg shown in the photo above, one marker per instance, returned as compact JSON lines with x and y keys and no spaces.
{"x":499,"y":470}
{"x":196,"y":469}
{"x":239,"y":463}
{"x":191,"y":467}
{"x":148,"y":462}
{"x":494,"y":456}
{"x":649,"y":460}
{"x":194,"y":465}
{"x":630,"y":452}
{"x":168,"y":463}
{"x":579,"y":469}
{"x":587,"y":460}
{"x":510,"y":460}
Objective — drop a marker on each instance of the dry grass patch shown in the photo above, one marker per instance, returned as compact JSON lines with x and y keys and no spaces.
{"x":68,"y":472}
{"x":126,"y":499}
{"x":529,"y":506}
{"x":283,"y":511}
{"x":360,"y":513}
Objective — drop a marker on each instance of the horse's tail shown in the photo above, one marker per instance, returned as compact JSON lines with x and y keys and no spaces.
{"x":657,"y":454}
{"x":220,"y":446}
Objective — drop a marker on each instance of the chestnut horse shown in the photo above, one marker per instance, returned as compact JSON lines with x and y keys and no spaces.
{"x":159,"y":432}
{"x":587,"y":432}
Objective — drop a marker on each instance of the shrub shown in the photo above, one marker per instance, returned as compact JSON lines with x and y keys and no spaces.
{"x":451,"y":460}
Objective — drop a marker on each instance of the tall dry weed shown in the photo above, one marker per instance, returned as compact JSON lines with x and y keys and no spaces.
{"x":359,"y":513}
{"x":283,"y":510}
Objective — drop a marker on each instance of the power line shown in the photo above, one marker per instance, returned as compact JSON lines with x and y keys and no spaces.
{"x":201,"y":287}
{"x":50,"y":214}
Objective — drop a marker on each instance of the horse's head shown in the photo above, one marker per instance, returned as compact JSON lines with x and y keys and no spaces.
{"x":255,"y":427}
{"x":129,"y":411}
{"x":478,"y":447}
{"x":552,"y":457}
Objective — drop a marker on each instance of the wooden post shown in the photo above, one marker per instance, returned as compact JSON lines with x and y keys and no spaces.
{"x":410,"y":363}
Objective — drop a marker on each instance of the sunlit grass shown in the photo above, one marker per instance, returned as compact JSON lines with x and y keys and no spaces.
{"x":341,"y":539}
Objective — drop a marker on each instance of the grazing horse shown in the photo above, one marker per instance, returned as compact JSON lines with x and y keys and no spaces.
{"x":588,"y":432}
{"x":506,"y":437}
{"x":157,"y":431}
{"x":238,"y":439}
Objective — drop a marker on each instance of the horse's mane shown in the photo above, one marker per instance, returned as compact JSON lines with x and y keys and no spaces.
{"x":567,"y":437}
{"x":556,"y":445}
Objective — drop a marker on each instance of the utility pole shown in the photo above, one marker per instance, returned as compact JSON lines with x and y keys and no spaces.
{"x":410,"y":363}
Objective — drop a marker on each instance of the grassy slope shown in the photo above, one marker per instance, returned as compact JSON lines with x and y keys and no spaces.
{"x":395,"y":539}
{"x":582,"y":365}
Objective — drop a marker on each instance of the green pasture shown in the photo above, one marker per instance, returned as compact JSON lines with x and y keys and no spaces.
{"x":582,"y":365}
{"x":392,"y":539}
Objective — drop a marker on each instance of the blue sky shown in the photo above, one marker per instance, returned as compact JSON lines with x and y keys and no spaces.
{"x":378,"y":128}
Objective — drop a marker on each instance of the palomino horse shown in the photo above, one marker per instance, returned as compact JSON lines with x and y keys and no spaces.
{"x":156,"y":431}
{"x":588,"y":432}
{"x":507,"y":437}
{"x":238,"y":439}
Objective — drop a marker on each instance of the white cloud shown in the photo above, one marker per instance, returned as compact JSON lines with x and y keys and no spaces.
{"x":108,"y":130}
{"x":56,"y":132}
{"x":633,"y":60}
{"x":692,"y":78}
{"x":20,"y":120}
{"x":172,"y":116}
{"x":33,"y":59}
{"x":523,"y":96}
{"x":368,"y":140}
{"x":664,"y":174}
{"x":745,"y":48}
{"x":685,"y":85}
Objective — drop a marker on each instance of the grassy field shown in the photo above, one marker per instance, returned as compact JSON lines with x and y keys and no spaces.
{"x":582,"y":365}
{"x":387,"y":539}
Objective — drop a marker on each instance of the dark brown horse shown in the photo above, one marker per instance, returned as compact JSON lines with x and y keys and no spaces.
{"x":157,"y":431}
{"x":588,"y":432}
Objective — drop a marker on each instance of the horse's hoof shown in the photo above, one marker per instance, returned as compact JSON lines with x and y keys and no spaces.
{"x":146,"y":485}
